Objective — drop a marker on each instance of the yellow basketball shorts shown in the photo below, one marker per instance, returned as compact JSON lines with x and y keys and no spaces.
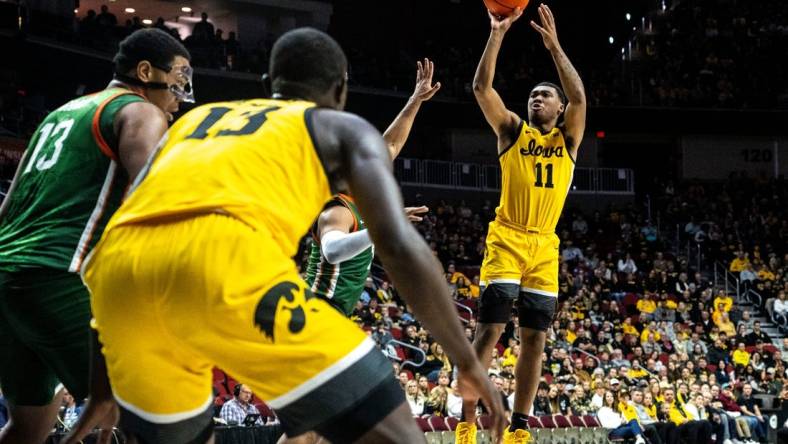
{"x":519,"y":263}
{"x":171,"y":300}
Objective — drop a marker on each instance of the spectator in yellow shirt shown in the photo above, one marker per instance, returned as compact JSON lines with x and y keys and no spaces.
{"x":475,"y":287}
{"x":765,"y":274}
{"x":723,"y":302}
{"x":636,"y":371}
{"x":741,"y":357}
{"x":628,"y":328}
{"x":725,"y":325}
{"x":651,"y":329}
{"x":511,"y":360}
{"x":739,"y":263}
{"x":647,"y":306}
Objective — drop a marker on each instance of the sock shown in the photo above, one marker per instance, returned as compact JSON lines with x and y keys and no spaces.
{"x":519,"y":421}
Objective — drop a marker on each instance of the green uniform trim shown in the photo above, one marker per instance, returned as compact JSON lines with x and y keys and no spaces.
{"x":340,"y":284}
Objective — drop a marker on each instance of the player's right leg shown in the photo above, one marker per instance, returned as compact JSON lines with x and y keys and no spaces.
{"x":44,"y":316}
{"x":501,"y":274}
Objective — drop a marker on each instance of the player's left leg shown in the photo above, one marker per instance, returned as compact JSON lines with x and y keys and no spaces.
{"x":536,"y":307}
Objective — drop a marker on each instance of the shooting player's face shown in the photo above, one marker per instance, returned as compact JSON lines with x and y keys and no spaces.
{"x":544,"y":105}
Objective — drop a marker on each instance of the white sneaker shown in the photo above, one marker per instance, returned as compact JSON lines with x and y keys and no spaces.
{"x":727,"y":441}
{"x":639,"y":440}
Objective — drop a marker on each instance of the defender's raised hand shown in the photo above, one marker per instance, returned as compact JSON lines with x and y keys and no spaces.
{"x":424,"y":87}
{"x":547,"y":30}
{"x":502,"y":24}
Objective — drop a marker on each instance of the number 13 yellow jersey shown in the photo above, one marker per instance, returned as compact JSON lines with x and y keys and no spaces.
{"x":536,"y":173}
{"x":253,"y":160}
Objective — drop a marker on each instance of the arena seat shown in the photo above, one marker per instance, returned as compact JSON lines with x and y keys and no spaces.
{"x":576,"y":421}
{"x":423,"y":424}
{"x":590,"y":421}
{"x":484,"y":422}
{"x":437,"y":424}
{"x":451,"y":422}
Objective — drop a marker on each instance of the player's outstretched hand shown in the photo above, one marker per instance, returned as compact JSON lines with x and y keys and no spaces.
{"x":414,"y":213}
{"x":103,"y":415}
{"x":547,"y":30}
{"x":424,"y":87}
{"x":474,"y":384}
{"x":502,"y":24}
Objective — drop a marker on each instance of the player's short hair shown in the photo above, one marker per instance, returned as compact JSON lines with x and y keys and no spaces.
{"x":151,"y":44}
{"x":307,"y":56}
{"x":557,"y":88}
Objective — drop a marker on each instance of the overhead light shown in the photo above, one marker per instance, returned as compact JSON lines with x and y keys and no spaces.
{"x":629,"y":16}
{"x":186,"y":9}
{"x":76,"y":11}
{"x":610,"y":39}
{"x":130,"y":10}
{"x":147,"y":21}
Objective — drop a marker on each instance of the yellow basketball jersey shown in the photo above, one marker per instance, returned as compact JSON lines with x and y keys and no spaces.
{"x":253,"y":160}
{"x":536,"y":173}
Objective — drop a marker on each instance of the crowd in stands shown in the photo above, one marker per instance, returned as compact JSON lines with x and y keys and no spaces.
{"x":701,"y":53}
{"x":641,"y":334}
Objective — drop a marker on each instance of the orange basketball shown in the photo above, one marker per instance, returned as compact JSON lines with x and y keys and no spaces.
{"x":503,"y":8}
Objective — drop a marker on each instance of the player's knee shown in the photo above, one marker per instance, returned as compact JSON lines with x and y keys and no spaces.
{"x":536,"y":311}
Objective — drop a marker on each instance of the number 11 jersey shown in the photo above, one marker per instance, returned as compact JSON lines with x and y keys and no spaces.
{"x":536,"y":173}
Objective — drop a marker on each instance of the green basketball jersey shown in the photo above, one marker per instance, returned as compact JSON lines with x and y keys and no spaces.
{"x":68,"y":186}
{"x":342,"y":283}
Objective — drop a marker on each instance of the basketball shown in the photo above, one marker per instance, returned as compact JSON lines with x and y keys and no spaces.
{"x":503,"y":8}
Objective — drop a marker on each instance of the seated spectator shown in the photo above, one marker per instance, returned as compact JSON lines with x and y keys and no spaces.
{"x":689,"y":429}
{"x":646,"y":306}
{"x":436,"y":403}
{"x":235,"y":410}
{"x":740,"y":357}
{"x":752,"y":413}
{"x":454,"y":401}
{"x":610,"y":417}
{"x":414,"y":397}
{"x":71,"y":410}
{"x":780,"y":304}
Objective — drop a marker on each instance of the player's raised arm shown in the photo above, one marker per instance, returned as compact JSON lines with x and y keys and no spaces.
{"x":353,"y":152}
{"x":502,"y":121}
{"x":575,"y":114}
{"x":397,"y":133}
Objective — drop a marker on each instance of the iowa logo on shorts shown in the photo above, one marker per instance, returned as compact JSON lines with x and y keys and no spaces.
{"x":268,"y":307}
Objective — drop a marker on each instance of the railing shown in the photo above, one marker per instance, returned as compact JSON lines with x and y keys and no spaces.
{"x":575,"y":349}
{"x":464,"y":307}
{"x":726,"y":279}
{"x":405,"y":345}
{"x":473,"y":176}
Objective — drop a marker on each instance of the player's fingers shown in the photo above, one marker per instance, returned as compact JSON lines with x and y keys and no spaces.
{"x":538,"y":28}
{"x":432,"y":69}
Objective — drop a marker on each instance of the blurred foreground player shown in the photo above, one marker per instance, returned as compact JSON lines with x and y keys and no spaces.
{"x":537,"y":158}
{"x":341,"y":253}
{"x":200,"y":254}
{"x":69,"y":182}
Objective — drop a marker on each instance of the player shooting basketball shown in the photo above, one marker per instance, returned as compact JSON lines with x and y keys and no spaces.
{"x":537,"y":158}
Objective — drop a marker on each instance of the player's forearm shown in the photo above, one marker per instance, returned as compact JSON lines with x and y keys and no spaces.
{"x":570,"y":79}
{"x":419,"y":279}
{"x":399,"y":130}
{"x":485,"y":72}
{"x":337,"y":246}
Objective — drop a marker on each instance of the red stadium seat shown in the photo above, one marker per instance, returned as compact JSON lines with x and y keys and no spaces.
{"x":410,"y":374}
{"x":451,"y":422}
{"x":393,"y":312}
{"x":547,"y":422}
{"x":484,"y":422}
{"x":437,"y":424}
{"x":590,"y":421}
{"x":423,"y":424}
{"x":533,"y":423}
{"x":265,"y":411}
{"x":219,"y":375}
{"x":396,"y":333}
{"x":561,"y":421}
{"x":712,"y":368}
{"x":500,"y":348}
{"x":576,"y":421}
